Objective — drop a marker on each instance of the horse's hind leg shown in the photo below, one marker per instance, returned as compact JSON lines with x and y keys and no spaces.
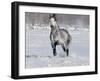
{"x":67,"y":51}
{"x":63,"y":48}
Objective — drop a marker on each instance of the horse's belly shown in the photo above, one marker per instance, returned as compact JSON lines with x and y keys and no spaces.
{"x":60,"y":37}
{"x":59,"y":40}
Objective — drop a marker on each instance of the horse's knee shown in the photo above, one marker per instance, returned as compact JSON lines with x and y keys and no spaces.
{"x":52,"y":45}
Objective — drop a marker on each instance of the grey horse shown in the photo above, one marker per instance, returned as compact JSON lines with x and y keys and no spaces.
{"x":58,"y":36}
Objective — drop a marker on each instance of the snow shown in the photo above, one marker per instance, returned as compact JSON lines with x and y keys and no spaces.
{"x":39,"y":52}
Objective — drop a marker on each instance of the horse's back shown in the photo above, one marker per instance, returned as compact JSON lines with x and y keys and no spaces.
{"x":64,"y":33}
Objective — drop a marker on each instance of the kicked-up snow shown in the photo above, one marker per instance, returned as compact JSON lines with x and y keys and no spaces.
{"x":39,"y":51}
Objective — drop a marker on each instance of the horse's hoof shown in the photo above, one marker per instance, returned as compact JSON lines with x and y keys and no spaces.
{"x":67,"y":55}
{"x":54,"y":55}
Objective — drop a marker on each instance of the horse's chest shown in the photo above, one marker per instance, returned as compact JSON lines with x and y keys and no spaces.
{"x":57,"y":37}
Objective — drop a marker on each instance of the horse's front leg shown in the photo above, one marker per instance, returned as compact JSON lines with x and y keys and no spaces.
{"x":54,"y":51}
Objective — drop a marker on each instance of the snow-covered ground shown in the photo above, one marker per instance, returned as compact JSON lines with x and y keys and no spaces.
{"x":39,"y":51}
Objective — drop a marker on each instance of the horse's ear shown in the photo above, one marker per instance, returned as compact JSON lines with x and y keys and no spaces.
{"x":54,"y":15}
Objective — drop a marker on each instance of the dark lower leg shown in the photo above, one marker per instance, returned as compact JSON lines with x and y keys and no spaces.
{"x":63,"y":48}
{"x":54,"y":51}
{"x":67,"y":52}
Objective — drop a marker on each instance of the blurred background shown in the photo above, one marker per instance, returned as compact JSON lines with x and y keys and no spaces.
{"x":63,"y":20}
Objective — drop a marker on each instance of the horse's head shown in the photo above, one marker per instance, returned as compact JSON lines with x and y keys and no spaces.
{"x":53,"y":23}
{"x":52,"y":18}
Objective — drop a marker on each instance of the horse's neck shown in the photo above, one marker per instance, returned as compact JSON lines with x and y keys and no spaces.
{"x":55,"y":30}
